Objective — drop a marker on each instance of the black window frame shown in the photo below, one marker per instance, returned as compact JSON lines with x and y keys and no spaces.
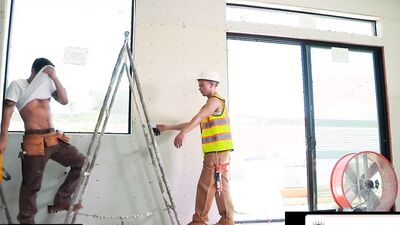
{"x":381,"y":99}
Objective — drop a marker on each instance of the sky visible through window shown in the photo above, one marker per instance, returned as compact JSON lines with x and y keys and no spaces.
{"x":82,"y":38}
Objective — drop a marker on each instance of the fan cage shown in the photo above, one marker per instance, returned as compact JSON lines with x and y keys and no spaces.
{"x":389,"y":188}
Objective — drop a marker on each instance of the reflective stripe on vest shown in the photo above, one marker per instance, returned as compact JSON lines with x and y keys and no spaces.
{"x":217,"y":137}
{"x":216,"y":132}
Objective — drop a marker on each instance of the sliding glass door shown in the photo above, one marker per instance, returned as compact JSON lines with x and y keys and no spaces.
{"x":267,"y":117}
{"x":296,"y":107}
{"x":345,"y":110}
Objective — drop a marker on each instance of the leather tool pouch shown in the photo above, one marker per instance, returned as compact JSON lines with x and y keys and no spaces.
{"x":50,"y":140}
{"x":62,"y":137}
{"x":34,"y":145}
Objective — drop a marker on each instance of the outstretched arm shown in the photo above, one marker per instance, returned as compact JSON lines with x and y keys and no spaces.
{"x":210,"y":107}
{"x":60,"y":95}
{"x":8,"y":110}
{"x":165,"y":127}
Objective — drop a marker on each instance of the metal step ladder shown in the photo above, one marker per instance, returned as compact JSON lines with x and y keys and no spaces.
{"x":121,"y":67}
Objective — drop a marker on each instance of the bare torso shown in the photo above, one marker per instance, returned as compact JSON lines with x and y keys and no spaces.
{"x":37,"y":115}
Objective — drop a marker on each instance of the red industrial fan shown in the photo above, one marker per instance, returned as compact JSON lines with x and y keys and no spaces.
{"x":364,"y":181}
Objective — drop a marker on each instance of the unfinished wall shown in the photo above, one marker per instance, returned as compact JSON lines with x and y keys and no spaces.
{"x":175,"y":40}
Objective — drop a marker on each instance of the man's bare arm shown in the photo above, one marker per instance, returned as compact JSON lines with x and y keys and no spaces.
{"x":195,"y":120}
{"x":164,"y":127}
{"x":8,"y":109}
{"x":210,"y":107}
{"x":60,"y":95}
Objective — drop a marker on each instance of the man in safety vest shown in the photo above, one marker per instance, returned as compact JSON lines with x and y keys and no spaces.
{"x":217,"y":144}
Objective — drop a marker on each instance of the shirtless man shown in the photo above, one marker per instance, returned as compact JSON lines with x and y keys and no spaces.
{"x":40,"y":141}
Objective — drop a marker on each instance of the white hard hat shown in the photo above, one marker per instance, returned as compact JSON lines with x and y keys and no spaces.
{"x":209,"y":75}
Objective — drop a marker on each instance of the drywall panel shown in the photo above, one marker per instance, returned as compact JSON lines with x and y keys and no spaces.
{"x":391,"y":52}
{"x":122,"y":183}
{"x":394,"y":104}
{"x":193,"y":13}
{"x":169,"y":59}
{"x":175,"y":41}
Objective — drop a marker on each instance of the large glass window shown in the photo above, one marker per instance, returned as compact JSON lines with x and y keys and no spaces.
{"x":314,"y":21}
{"x":345,"y":110}
{"x":296,"y":108}
{"x":267,"y":118}
{"x":82,"y":38}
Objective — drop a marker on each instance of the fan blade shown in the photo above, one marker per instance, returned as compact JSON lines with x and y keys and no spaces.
{"x":372,"y":170}
{"x":350,"y":194}
{"x":365,"y":166}
{"x":351,"y":174}
{"x":371,"y":199}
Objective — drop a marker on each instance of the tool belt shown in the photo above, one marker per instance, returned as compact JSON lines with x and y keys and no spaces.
{"x":35,"y":144}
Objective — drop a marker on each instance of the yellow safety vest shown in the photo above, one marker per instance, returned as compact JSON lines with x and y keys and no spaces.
{"x":216,"y":131}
